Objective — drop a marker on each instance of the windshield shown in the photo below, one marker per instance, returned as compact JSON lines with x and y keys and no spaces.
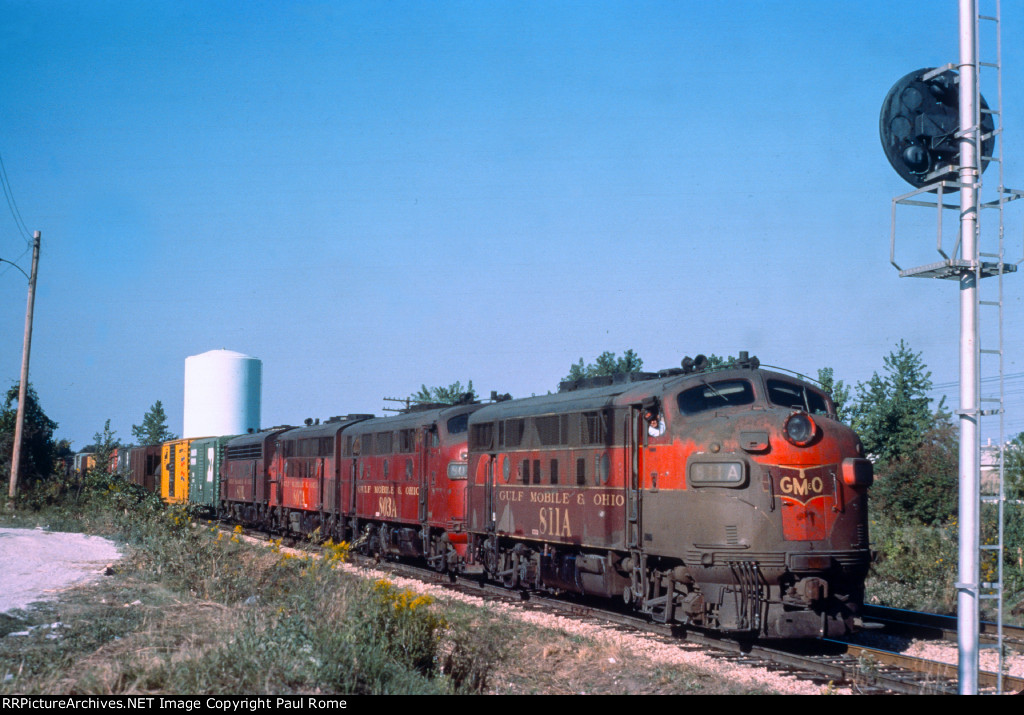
{"x":796,"y":396}
{"x":458,"y":423}
{"x":715,"y":395}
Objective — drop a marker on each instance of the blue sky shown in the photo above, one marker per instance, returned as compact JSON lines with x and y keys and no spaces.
{"x":372,"y":196}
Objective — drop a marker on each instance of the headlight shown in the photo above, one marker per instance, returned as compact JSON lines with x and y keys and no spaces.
{"x":799,"y":429}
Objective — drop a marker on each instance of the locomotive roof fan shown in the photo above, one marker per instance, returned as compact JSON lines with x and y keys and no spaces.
{"x":919,"y":123}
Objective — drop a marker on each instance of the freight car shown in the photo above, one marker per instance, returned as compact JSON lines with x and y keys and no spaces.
{"x":728,"y":499}
{"x":144,"y":467}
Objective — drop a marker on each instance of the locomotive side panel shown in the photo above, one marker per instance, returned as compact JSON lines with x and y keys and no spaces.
{"x":403,"y":483}
{"x":543,"y":476}
{"x":245,"y":478}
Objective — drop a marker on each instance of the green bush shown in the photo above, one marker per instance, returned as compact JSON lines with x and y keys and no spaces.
{"x":917,"y":565}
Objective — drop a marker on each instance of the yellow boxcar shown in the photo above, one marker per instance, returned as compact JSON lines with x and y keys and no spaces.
{"x":174,"y":470}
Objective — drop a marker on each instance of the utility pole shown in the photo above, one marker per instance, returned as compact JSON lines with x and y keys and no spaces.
{"x":23,"y":385}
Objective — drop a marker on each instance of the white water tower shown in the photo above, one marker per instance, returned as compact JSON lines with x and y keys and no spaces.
{"x":222,"y":394}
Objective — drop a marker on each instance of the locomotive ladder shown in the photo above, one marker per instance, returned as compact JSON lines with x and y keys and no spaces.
{"x":989,"y":413}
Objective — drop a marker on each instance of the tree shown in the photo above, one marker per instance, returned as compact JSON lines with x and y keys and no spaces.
{"x":106,"y":443}
{"x":606,"y":364}
{"x":718,"y":361}
{"x":37,"y":448}
{"x":914,"y":448}
{"x":840,"y":394}
{"x":153,"y":429}
{"x":62,"y":455}
{"x":454,"y":394}
{"x":892,"y":414}
{"x":922,"y":485}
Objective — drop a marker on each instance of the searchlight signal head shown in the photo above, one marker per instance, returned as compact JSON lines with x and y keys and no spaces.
{"x":919,"y":125}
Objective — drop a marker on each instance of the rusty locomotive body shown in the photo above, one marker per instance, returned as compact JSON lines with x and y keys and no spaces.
{"x":732,"y":500}
{"x":729,"y":499}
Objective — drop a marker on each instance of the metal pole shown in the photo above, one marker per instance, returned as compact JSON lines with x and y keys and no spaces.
{"x":970,"y":453}
{"x":23,"y":384}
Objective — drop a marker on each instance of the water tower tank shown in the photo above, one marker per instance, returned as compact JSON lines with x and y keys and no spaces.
{"x":222,"y":394}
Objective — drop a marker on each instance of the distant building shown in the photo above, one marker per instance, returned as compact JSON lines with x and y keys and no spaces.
{"x":989,"y":468}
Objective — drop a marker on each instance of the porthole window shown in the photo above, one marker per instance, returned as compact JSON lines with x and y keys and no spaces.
{"x":506,"y":467}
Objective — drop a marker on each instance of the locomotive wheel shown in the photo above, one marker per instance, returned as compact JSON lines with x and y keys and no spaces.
{"x":438,"y":557}
{"x":376,"y":544}
{"x":509,"y":572}
{"x":490,"y":561}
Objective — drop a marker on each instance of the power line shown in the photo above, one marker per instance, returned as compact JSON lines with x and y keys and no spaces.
{"x":8,"y":265}
{"x":12,"y":204}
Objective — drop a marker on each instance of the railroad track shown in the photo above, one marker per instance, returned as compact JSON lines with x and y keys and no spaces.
{"x":931,"y":625}
{"x":865,"y":669}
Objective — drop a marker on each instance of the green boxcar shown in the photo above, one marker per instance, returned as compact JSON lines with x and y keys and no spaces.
{"x":204,"y":460}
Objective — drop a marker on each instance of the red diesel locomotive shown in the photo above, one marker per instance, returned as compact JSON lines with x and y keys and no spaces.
{"x":728,"y":499}
{"x":732,"y":500}
{"x":393,"y":486}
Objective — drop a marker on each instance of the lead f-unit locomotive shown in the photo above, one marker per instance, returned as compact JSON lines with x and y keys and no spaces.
{"x":728,"y":499}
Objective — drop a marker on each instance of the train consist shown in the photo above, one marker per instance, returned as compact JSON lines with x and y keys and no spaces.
{"x":729,"y":499}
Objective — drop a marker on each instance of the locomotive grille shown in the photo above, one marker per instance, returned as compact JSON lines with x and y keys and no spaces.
{"x":553,"y":430}
{"x":246,"y":451}
{"x":732,"y":535}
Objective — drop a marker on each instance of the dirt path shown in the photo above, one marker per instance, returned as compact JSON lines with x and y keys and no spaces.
{"x":35,"y":565}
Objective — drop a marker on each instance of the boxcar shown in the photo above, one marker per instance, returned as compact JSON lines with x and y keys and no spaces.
{"x":205,"y":457}
{"x":174,"y":460}
{"x":145,"y":466}
{"x":84,"y":461}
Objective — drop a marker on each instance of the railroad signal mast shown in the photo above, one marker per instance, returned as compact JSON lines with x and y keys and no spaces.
{"x":940,"y":135}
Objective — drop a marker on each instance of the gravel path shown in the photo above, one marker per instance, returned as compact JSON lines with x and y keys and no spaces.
{"x":35,"y":564}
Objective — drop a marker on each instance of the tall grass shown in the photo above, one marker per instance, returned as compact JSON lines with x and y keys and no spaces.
{"x":216,"y":615}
